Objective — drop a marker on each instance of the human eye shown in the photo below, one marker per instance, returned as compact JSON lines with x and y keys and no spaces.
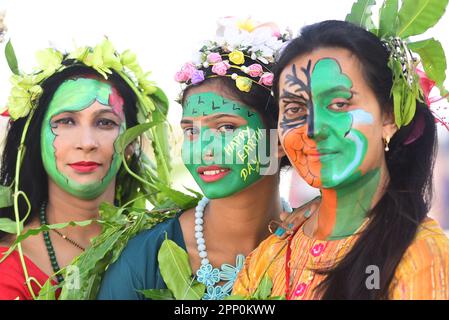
{"x":190,"y":132}
{"x":295,"y":110}
{"x":106,"y":123}
{"x":66,"y":121}
{"x":339,"y":105}
{"x":226,"y":128}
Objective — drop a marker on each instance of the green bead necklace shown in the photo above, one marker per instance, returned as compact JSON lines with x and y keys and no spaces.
{"x":49,"y":245}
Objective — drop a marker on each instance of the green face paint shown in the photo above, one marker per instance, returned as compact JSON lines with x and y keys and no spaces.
{"x":236,"y":150}
{"x":346,"y":147}
{"x":331,"y":132}
{"x":76,"y":95}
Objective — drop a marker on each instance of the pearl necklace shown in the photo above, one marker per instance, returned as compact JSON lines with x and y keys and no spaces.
{"x":207,"y":274}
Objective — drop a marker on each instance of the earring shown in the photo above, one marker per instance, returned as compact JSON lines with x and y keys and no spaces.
{"x":387,"y":142}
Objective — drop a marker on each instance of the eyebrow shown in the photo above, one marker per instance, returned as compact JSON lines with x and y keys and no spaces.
{"x":290,"y":95}
{"x":212,"y":117}
{"x":335,"y":90}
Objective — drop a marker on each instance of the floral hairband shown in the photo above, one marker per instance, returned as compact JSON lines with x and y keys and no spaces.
{"x":242,"y":51}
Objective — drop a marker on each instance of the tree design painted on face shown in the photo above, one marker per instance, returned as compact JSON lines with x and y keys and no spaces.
{"x":223,"y":162}
{"x":321,"y":140}
{"x":331,"y":151}
{"x":71,"y":96}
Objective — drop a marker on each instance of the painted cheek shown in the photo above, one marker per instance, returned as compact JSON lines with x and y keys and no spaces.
{"x":295,"y":142}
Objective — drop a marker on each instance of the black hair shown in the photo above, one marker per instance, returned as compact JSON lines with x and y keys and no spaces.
{"x":33,"y":177}
{"x":258,"y":98}
{"x":395,"y":218}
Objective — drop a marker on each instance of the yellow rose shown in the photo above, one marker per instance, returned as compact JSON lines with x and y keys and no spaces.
{"x":237,"y":57}
{"x":243,"y":83}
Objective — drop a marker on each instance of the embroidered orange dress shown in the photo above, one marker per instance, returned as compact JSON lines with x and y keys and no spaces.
{"x":423,"y":272}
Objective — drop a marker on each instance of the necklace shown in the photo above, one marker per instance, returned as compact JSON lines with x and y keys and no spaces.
{"x":207,"y":274}
{"x":73,"y":242}
{"x":49,"y":245}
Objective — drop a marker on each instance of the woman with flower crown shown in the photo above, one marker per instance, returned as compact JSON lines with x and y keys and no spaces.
{"x":354,"y":124}
{"x":228,"y":112}
{"x":62,"y":159}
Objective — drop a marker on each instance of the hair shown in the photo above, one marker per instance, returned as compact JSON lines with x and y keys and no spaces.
{"x":258,"y":99}
{"x":33,"y":177}
{"x":395,"y":217}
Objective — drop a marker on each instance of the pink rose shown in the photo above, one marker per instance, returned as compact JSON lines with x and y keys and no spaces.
{"x":181,"y":76}
{"x":214,"y":57}
{"x":255,"y":70}
{"x":221,"y":68}
{"x":188,"y":69}
{"x":266,"y":79}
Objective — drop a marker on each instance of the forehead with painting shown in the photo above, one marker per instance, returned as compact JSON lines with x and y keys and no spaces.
{"x":84,"y":118}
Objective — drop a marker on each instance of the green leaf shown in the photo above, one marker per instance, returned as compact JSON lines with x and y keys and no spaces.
{"x":158,"y":294}
{"x":176,"y":272}
{"x":111,"y":213}
{"x":11,"y":58}
{"x":47,"y":292}
{"x":130,"y":135}
{"x":432,"y":57}
{"x":9,"y":226}
{"x":33,"y":232}
{"x":264,"y":289}
{"x":388,"y":18}
{"x":182,"y":200}
{"x":361,"y":14}
{"x":397,"y":102}
{"x":5,"y":197}
{"x":416,"y":16}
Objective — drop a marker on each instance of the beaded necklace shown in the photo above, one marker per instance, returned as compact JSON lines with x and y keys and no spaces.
{"x":207,"y":274}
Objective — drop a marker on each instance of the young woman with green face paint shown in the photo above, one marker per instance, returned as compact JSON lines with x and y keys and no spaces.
{"x":337,"y":127}
{"x":70,"y":164}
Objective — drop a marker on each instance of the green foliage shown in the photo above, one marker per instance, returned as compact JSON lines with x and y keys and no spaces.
{"x":417,"y":16}
{"x":5,"y":197}
{"x":388,"y":18}
{"x":432,"y":57}
{"x":263,"y":292}
{"x":176,"y":272}
{"x":11,"y":58}
{"x":361,"y":14}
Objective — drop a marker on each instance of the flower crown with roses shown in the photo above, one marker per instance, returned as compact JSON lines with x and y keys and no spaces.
{"x":241,"y":50}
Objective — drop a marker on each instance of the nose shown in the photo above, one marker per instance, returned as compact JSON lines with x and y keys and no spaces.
{"x":317,"y":126}
{"x":87,"y":140}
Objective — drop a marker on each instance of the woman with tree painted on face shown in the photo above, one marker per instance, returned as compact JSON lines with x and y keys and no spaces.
{"x":227,"y":113}
{"x":370,"y":237}
{"x":69,"y":120}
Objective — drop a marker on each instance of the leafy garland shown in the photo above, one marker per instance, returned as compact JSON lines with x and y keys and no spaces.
{"x":150,"y":183}
{"x":396,"y":26}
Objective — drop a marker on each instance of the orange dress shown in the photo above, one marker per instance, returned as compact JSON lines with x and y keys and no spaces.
{"x":423,"y":272}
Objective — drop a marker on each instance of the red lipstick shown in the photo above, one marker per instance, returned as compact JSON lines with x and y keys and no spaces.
{"x":84,"y":166}
{"x":212,"y":173}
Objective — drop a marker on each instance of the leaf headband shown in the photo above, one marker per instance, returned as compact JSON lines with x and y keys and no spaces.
{"x":396,"y":26}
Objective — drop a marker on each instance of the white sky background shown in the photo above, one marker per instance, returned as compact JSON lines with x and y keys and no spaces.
{"x":163,"y":34}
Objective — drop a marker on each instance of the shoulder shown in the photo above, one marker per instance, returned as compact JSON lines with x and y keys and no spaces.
{"x":423,"y":271}
{"x":430,"y":246}
{"x":11,"y":272}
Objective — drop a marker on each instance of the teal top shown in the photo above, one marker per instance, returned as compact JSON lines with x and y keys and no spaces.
{"x":137,"y":267}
